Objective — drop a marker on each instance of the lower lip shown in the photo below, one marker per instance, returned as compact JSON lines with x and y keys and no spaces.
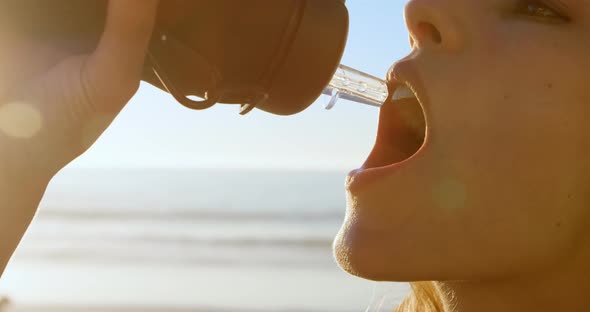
{"x":362,"y":177}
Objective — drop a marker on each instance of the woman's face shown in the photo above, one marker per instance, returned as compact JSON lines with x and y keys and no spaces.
{"x":501,"y":186}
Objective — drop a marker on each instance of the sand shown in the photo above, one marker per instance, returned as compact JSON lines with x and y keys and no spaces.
{"x":126,"y":309}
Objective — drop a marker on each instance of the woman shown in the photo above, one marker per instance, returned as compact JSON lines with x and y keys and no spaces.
{"x":492,"y":207}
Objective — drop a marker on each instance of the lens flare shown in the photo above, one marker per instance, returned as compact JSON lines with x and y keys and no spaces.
{"x":20,"y":120}
{"x":450,"y":194}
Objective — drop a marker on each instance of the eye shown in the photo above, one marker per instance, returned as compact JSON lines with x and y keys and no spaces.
{"x":537,"y":9}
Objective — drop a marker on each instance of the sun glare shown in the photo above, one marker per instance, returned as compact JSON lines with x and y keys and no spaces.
{"x":20,"y":120}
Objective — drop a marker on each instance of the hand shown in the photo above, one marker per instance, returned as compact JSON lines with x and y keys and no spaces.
{"x":65,"y":102}
{"x":54,"y":105}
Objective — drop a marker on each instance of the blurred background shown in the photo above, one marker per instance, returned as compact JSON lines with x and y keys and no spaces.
{"x":180,"y":210}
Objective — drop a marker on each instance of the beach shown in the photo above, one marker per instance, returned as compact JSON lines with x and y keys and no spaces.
{"x":187,"y":240}
{"x":129,"y":309}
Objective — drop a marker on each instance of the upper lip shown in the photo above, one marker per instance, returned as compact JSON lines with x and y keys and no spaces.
{"x":404,"y":73}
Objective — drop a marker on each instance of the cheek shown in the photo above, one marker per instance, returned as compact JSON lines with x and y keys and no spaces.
{"x":517,"y":139}
{"x":521,"y":162}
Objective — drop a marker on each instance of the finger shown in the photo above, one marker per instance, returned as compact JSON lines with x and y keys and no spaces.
{"x":116,"y":65}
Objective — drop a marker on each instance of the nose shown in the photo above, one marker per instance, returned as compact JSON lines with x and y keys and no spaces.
{"x":432,"y":26}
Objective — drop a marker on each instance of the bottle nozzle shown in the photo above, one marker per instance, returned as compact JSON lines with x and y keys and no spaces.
{"x":351,"y":84}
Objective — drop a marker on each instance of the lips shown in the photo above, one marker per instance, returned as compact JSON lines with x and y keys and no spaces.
{"x":402,"y":131}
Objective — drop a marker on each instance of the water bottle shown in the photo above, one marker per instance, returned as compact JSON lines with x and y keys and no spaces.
{"x":277,"y":56}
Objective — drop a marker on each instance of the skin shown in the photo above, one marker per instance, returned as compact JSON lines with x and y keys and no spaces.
{"x":55,"y":105}
{"x":496,"y":208}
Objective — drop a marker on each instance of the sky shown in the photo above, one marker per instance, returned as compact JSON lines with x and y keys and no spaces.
{"x":155,"y":131}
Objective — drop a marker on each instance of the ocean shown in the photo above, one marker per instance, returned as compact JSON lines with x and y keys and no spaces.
{"x":201,"y":239}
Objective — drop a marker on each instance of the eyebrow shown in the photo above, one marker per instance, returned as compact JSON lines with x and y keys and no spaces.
{"x":562,"y":4}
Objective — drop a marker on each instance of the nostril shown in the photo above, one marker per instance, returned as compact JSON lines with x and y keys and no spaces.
{"x":427,"y":31}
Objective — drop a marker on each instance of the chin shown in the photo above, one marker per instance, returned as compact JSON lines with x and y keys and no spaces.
{"x":363,"y":253}
{"x":388,"y":256}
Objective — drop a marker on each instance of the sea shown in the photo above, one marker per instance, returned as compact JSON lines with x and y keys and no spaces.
{"x":200,"y":239}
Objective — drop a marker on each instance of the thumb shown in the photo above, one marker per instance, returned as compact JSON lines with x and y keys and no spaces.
{"x":112,"y":73}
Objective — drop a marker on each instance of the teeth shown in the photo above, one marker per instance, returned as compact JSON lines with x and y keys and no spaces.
{"x":403,"y":92}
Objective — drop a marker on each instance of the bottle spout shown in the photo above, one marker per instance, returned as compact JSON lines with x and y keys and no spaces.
{"x":356,"y":86}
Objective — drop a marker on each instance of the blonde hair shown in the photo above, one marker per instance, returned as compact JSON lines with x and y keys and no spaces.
{"x":425,"y":297}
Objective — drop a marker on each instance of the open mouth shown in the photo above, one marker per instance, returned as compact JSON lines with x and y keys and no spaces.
{"x":402,"y":129}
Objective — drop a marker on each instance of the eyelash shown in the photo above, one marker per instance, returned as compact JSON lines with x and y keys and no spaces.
{"x":527,"y":8}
